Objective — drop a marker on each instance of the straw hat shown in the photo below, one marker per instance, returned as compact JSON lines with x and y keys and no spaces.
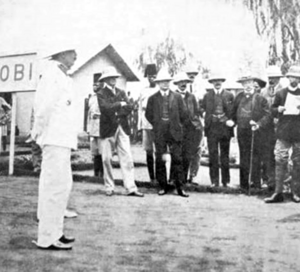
{"x":181,"y":76}
{"x":110,"y":71}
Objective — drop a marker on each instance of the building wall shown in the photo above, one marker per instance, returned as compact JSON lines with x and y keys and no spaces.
{"x":83,"y":83}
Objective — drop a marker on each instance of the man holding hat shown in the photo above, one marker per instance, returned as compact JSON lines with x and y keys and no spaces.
{"x":286,"y":108}
{"x":192,"y":128}
{"x":55,"y":131}
{"x":148,"y":137}
{"x":167,"y":113}
{"x":251,"y":114}
{"x":217,"y":105}
{"x":114,"y":132}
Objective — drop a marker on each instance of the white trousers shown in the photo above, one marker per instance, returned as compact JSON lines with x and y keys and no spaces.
{"x":121,"y":143}
{"x":54,"y":189}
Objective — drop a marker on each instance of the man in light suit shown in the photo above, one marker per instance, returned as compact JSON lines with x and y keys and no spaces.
{"x":114,"y":132}
{"x":55,"y":131}
{"x":167,"y":113}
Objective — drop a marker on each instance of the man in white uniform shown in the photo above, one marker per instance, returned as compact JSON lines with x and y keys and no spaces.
{"x":55,"y":131}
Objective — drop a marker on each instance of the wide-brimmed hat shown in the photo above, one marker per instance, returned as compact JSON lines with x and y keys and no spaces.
{"x":150,"y":70}
{"x":294,"y":71}
{"x":54,"y":50}
{"x":262,"y":83}
{"x":191,"y":69}
{"x":215,"y":77}
{"x":273,"y":71}
{"x":109,"y":71}
{"x":163,"y":75}
{"x":245,"y":78}
{"x":181,"y":76}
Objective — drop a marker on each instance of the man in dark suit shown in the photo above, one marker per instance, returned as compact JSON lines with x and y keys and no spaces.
{"x":217,"y":105}
{"x":192,"y":129}
{"x":166,"y":112}
{"x":114,"y":132}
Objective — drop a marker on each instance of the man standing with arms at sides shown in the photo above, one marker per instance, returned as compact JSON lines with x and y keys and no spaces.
{"x":114,"y":132}
{"x":286,"y":108}
{"x":192,"y":72}
{"x":94,"y":131}
{"x":166,"y":112}
{"x":268,"y":168}
{"x":148,"y":136}
{"x":192,"y":128}
{"x":217,"y":105}
{"x":55,"y":131}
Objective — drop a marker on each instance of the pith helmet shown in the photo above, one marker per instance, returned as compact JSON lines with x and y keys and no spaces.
{"x":294,"y":71}
{"x":215,"y":77}
{"x":181,"y":76}
{"x":163,"y":75}
{"x":191,"y":69}
{"x":110,"y":71}
{"x":273,"y":71}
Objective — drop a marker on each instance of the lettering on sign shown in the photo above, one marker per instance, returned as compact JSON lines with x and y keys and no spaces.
{"x":18,"y":73}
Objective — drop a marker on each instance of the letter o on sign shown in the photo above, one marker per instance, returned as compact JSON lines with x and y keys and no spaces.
{"x":4,"y":73}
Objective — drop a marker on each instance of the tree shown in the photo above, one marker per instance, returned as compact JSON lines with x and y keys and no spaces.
{"x":278,"y":21}
{"x":169,"y":53}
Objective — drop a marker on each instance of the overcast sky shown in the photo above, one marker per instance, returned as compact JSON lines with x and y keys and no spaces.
{"x":217,"y":33}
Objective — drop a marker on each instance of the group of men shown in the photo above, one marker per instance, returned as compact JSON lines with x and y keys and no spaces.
{"x":171,"y":124}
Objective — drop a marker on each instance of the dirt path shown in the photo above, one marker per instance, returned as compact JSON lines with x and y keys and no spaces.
{"x":206,"y":232}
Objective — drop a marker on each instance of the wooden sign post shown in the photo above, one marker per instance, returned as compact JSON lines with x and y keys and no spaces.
{"x":17,"y":74}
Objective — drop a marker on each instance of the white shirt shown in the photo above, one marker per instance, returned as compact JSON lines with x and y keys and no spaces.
{"x":55,"y":118}
{"x":163,"y":93}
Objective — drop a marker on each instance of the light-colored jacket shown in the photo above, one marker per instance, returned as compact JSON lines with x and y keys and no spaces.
{"x":54,"y":108}
{"x":143,"y":123}
{"x":94,"y":117}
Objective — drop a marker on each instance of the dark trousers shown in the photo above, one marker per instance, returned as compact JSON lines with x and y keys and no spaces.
{"x":163,"y":140}
{"x":190,"y":147}
{"x":244,"y":141}
{"x":215,"y":141}
{"x":268,"y":157}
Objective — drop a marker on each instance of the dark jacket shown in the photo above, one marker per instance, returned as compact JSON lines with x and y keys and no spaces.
{"x":208,"y":107}
{"x":260,"y":110}
{"x":193,"y":111}
{"x":288,"y":127}
{"x":112,"y":114}
{"x":177,"y":113}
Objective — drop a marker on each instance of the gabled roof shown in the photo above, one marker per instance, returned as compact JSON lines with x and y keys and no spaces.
{"x":119,"y":62}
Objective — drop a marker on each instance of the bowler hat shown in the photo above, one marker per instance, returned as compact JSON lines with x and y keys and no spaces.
{"x":181,"y":76}
{"x":215,"y":77}
{"x":294,"y":71}
{"x":110,"y":71}
{"x":163,"y":75}
{"x":273,"y":71}
{"x":150,"y":70}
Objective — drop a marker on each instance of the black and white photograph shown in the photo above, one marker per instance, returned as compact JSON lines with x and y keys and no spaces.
{"x":149,"y":135}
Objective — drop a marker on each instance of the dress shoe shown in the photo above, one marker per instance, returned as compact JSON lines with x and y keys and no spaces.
{"x":109,"y":193}
{"x":295,"y":198}
{"x":182,"y":193}
{"x":70,"y":214}
{"x":66,"y":240}
{"x":57,"y":246}
{"x":162,"y":192}
{"x":275,"y":198}
{"x":136,"y":193}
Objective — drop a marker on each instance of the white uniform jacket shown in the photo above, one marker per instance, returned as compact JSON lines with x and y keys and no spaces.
{"x":54,"y":109}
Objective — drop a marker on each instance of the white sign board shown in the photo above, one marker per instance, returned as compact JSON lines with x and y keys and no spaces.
{"x":18,"y":73}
